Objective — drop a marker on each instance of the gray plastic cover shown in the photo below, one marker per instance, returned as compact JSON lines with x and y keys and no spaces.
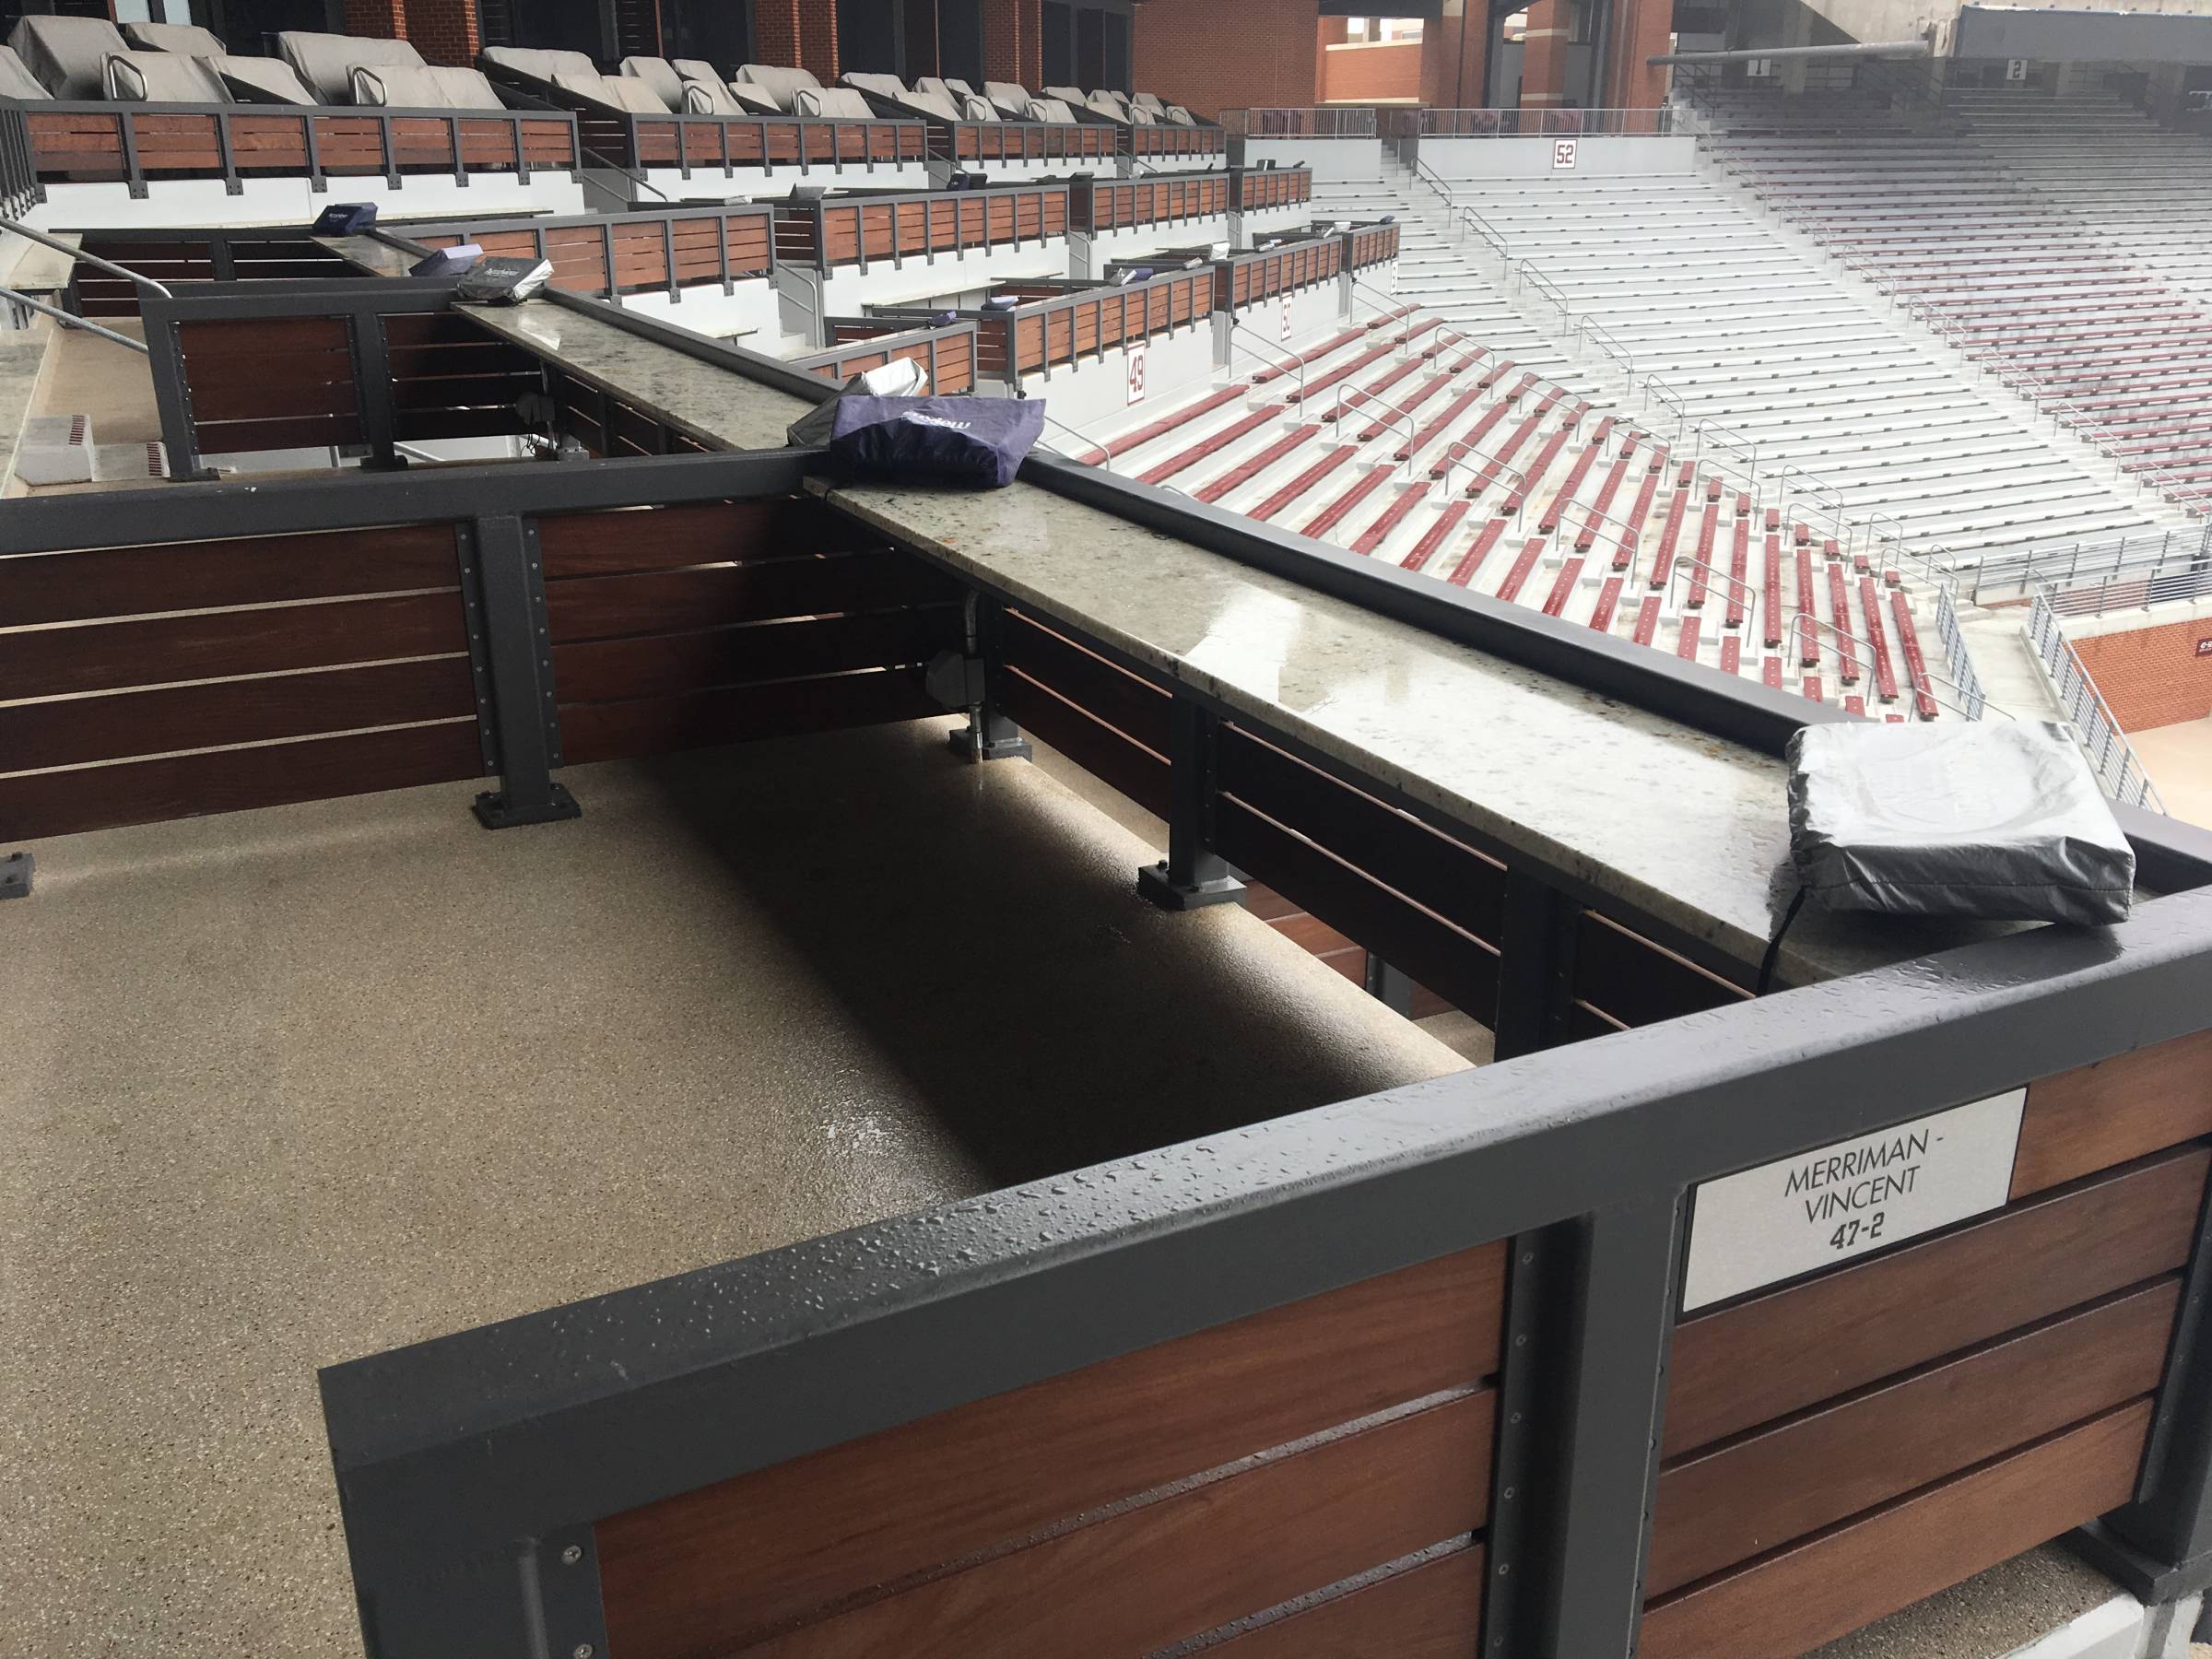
{"x":2000,"y":820}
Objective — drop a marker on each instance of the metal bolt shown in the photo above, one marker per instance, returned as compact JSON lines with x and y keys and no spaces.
{"x":582,"y":1649}
{"x":571,"y":1555}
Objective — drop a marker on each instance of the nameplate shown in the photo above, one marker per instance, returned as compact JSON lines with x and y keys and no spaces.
{"x":1760,"y":1227}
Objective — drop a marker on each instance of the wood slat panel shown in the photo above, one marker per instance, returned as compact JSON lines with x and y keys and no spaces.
{"x":606,"y":544}
{"x":692,"y":1574}
{"x":105,"y":656}
{"x":1634,"y":981}
{"x":713,"y":595}
{"x":1792,"y":1347}
{"x":80,"y":730}
{"x":613,"y":731}
{"x":2103,"y":1114}
{"x":1109,"y":755}
{"x":1132,"y":706}
{"x":1431,"y":1611}
{"x":1831,"y":1585}
{"x":140,"y":792}
{"x":1785,"y":1482}
{"x":1142,"y":1578}
{"x":114,"y":581}
{"x":1458,"y":968}
{"x":1453,"y":880}
{"x":604,"y":670}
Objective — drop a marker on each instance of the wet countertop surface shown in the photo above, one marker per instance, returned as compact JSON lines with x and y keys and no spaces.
{"x":1679,"y":825}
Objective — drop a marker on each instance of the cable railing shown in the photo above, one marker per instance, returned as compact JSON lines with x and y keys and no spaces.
{"x":1651,"y":123}
{"x":1963,"y":674}
{"x":2110,"y":593}
{"x":1300,"y":124}
{"x":2096,"y":728}
{"x":2135,"y":558}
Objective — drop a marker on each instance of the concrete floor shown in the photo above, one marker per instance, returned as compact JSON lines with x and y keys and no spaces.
{"x":2179,"y":759}
{"x":1988,"y":1616}
{"x":288,"y":1087}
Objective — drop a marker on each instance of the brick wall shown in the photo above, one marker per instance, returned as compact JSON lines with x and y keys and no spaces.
{"x":798,"y":33}
{"x":2152,"y":676}
{"x":1544,"y":54}
{"x":444,"y":31}
{"x":1014,"y":41}
{"x":1389,"y":72}
{"x":1452,"y":57}
{"x":1227,"y":54}
{"x":378,"y":19}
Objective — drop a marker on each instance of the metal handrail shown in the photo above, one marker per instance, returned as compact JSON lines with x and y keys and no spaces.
{"x":1436,"y":123}
{"x":1296,"y":360}
{"x":2078,"y":695}
{"x":1105,"y":460}
{"x":71,"y":319}
{"x":25,"y":232}
{"x":2094,"y":599}
{"x":1586,"y":326}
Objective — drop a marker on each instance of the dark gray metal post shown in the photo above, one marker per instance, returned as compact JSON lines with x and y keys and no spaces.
{"x":15,"y":869}
{"x":1193,"y":874}
{"x":1536,"y":968}
{"x":2159,"y":1548}
{"x":990,"y":733}
{"x":372,"y":389}
{"x":1389,"y":985}
{"x":1593,"y":1421}
{"x":518,"y":640}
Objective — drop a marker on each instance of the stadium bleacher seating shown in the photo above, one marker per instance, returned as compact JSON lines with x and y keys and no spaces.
{"x":2017,"y":229}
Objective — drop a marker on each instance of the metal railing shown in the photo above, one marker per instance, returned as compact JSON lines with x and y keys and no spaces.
{"x":610,"y":227}
{"x":71,"y":319}
{"x":924,"y":344}
{"x":2104,"y":594}
{"x":20,"y":188}
{"x":1294,"y":359}
{"x":2118,"y":768}
{"x":1657,"y":123}
{"x":1300,"y":124}
{"x":1974,"y":700}
{"x":2133,"y":557}
{"x":77,"y":253}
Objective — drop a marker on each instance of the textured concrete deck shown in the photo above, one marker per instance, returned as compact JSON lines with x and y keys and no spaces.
{"x":2179,"y":759}
{"x":288,"y":1087}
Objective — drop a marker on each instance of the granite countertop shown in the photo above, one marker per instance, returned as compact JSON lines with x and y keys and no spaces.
{"x":1674,"y":822}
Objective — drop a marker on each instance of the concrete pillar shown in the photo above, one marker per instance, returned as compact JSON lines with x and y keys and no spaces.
{"x":1543,"y":55}
{"x":444,"y":31}
{"x":1330,"y":31}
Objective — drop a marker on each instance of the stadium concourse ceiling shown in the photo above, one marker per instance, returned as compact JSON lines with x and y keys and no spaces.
{"x":2171,"y":32}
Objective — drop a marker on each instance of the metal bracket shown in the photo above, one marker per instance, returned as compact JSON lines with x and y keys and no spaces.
{"x":989,"y":735}
{"x":15,"y":874}
{"x":1392,"y":987}
{"x":1537,"y":1290}
{"x":1193,"y":875}
{"x":525,"y":707}
{"x":2150,"y":1582}
{"x":567,"y":1583}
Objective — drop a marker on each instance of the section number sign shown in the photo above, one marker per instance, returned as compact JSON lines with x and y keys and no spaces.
{"x":1760,"y":1227}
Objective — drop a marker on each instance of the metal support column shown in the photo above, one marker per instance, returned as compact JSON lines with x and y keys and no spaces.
{"x":518,"y":642}
{"x":990,"y":733}
{"x":1193,"y":874}
{"x":1535,"y":967}
{"x":2159,"y":1548}
{"x":1590,"y":1319}
{"x":1389,"y":985}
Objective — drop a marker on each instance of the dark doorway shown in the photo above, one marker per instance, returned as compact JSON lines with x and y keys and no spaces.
{"x":1091,"y":50}
{"x":250,"y":28}
{"x":1117,"y":75}
{"x":585,"y":26}
{"x":1058,"y":37}
{"x":869,"y":38}
{"x":721,"y":32}
{"x":960,"y":41}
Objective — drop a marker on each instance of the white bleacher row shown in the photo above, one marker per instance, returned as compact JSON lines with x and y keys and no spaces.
{"x":1757,"y":336}
{"x":1409,"y":442}
{"x":2019,"y":277}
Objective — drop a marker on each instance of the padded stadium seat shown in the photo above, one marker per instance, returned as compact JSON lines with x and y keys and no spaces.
{"x":624,"y":93}
{"x":325,"y":61}
{"x":945,"y":86}
{"x":68,"y":57}
{"x":880,"y":85}
{"x":186,"y":38}
{"x":1049,"y":109}
{"x":1073,"y":95}
{"x":1011,"y":97}
{"x":840,"y":103}
{"x":16,"y":81}
{"x":1149,"y":101}
{"x":534,"y":63}
{"x":660,"y":74}
{"x":163,"y":77}
{"x":783,"y":86}
{"x":397,"y":87}
{"x":261,"y":80}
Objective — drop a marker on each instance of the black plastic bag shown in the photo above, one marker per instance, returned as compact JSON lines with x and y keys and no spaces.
{"x":975,"y":442}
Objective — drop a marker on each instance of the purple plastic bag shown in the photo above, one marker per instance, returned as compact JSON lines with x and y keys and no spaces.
{"x":974,"y":442}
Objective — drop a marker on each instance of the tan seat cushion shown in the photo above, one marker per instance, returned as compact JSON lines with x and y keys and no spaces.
{"x":783,"y":85}
{"x":837,"y":103}
{"x":187,"y":38}
{"x":16,"y":81}
{"x":534,"y":63}
{"x":660,"y":74}
{"x":326,"y":62}
{"x":163,"y":77}
{"x":261,"y":80}
{"x":882,"y":86}
{"x":68,"y":57}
